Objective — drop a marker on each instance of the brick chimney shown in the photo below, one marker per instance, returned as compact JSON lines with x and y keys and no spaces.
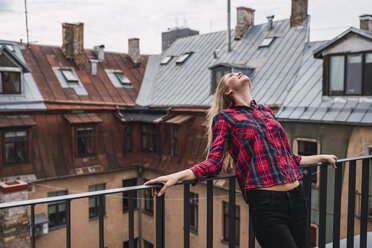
{"x":134,"y":51}
{"x":14,"y":228}
{"x":245,"y":19}
{"x":73,"y":42}
{"x":366,"y":22}
{"x":298,"y":13}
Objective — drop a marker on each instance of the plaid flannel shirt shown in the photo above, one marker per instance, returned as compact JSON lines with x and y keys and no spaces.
{"x":258,"y":144}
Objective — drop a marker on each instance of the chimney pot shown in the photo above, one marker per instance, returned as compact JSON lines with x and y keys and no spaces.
{"x":99,"y":52}
{"x":245,"y":19}
{"x":73,"y":42}
{"x":270,"y":22}
{"x":134,"y":51}
{"x":366,"y":22}
{"x":298,"y":12}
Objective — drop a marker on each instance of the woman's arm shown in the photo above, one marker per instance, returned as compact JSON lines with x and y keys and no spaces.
{"x":314,"y":159}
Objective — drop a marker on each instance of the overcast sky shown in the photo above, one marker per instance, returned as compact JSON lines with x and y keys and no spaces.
{"x":112,"y":22}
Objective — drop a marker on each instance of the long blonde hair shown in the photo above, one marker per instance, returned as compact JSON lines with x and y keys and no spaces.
{"x":220,"y":102}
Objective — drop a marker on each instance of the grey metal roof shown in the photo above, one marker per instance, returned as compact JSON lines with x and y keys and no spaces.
{"x":30,"y":98}
{"x":304,"y":101}
{"x":189,"y":83}
{"x":362,"y":32}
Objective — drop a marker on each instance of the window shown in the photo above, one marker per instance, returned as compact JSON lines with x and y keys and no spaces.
{"x":57,"y":210}
{"x":147,"y":244}
{"x":308,"y":148}
{"x":266,"y":42}
{"x":194,"y":203}
{"x":69,"y":76}
{"x":175,"y":141}
{"x":94,"y":201}
{"x":183,"y":57}
{"x":226,"y":222}
{"x":217,"y":74}
{"x":122,"y":78}
{"x":128,"y":137}
{"x":149,"y":202}
{"x":15,"y":146}
{"x":85,"y":138}
{"x":10,"y":82}
{"x":166,"y":60}
{"x":128,"y":183}
{"x":350,"y":74}
{"x":150,"y":138}
{"x":126,"y":243}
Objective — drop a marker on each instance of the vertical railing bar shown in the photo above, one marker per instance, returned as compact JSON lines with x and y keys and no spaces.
{"x":186,"y":215}
{"x":210,"y":214}
{"x":101,"y":223}
{"x":33,"y":226}
{"x":307,"y":188}
{"x":323,"y":205}
{"x":68,"y":223}
{"x":232,"y":212}
{"x":160,"y":235}
{"x":337,"y":205}
{"x":351,"y":204}
{"x":364,"y":203}
{"x":131,"y":218}
{"x":251,"y":237}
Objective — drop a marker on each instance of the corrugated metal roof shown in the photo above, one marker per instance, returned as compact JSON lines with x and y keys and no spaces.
{"x":16,"y":121}
{"x":189,"y":83}
{"x":179,"y":119}
{"x":30,"y":98}
{"x":305,"y":102}
{"x":82,"y":118}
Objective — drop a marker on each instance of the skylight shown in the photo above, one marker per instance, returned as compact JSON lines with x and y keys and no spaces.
{"x":166,"y":60}
{"x":10,"y":47}
{"x":122,"y":78}
{"x":69,"y":76}
{"x":183,"y":57}
{"x":266,"y":42}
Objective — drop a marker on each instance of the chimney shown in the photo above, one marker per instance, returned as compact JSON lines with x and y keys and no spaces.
{"x":134,"y":51}
{"x":299,"y":12}
{"x":270,"y":22}
{"x":99,"y":52}
{"x":14,"y":227}
{"x":245,"y":19}
{"x":366,"y":22}
{"x":73,"y":42}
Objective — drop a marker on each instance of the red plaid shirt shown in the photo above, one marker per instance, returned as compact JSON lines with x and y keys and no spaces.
{"x":257,"y":143}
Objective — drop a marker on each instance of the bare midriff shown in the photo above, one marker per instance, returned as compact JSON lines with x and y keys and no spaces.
{"x":281,"y":187}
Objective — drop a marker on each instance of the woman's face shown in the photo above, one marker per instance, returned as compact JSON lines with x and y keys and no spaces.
{"x":238,"y":82}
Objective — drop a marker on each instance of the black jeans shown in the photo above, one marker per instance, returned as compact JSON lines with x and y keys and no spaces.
{"x":279,"y":218}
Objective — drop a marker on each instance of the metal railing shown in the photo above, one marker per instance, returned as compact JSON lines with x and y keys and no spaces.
{"x":160,"y":207}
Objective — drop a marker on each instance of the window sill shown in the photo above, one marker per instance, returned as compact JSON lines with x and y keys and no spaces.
{"x":96,"y":218}
{"x":56,"y":227}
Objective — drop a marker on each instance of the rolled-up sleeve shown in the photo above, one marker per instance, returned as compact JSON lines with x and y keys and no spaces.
{"x":213,"y":164}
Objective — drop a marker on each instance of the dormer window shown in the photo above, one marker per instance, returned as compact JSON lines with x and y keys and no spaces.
{"x":266,"y":42}
{"x":166,"y":60}
{"x":122,"y":78}
{"x":10,"y":82}
{"x":69,"y":76}
{"x":349,"y":74}
{"x":183,"y":57}
{"x":217,"y":73}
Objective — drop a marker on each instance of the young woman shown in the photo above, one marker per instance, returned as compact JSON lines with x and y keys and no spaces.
{"x":248,"y":136}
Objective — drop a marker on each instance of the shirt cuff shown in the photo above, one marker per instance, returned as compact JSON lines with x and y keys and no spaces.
{"x":198,"y":175}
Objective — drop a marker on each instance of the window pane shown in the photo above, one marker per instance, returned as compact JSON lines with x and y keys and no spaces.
{"x":368,"y":74}
{"x":336,"y":74}
{"x":354,"y":74}
{"x":11,"y":82}
{"x":85,"y":139}
{"x":10,"y":152}
{"x":69,"y":76}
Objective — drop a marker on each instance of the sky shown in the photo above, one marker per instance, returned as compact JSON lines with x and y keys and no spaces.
{"x":112,"y":22}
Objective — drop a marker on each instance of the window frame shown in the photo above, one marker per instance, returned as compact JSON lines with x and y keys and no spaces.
{"x":72,"y":71}
{"x":128,"y":136}
{"x":185,"y":56}
{"x":135,"y":242}
{"x":327,"y":72}
{"x":214,"y":71}
{"x":60,"y":223}
{"x":148,"y":202}
{"x":194,"y":206}
{"x":125,"y":202}
{"x":11,"y":70}
{"x":225,"y":238}
{"x":94,"y":153}
{"x":27,"y":149}
{"x":296,"y":147}
{"x":156,"y":138}
{"x":96,"y":203}
{"x":116,"y":74}
{"x":175,"y":146}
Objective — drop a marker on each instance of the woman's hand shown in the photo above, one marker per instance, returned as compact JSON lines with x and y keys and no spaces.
{"x":167,"y":180}
{"x":329,"y":159}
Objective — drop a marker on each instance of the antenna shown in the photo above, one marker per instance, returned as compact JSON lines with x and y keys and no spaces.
{"x":28,"y":41}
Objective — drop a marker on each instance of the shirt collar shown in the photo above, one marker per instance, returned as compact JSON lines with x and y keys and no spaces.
{"x":253,"y":103}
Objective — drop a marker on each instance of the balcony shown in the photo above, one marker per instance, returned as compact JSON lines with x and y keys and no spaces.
{"x":357,"y":170}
